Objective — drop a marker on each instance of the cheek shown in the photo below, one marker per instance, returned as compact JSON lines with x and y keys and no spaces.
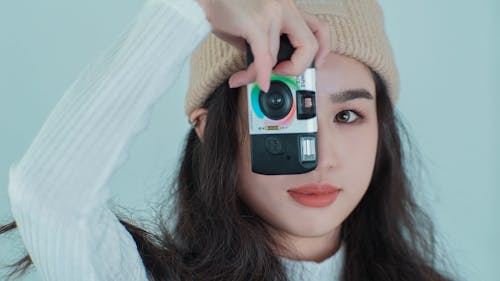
{"x":266,"y":195}
{"x":359,"y":153}
{"x":362,"y":144}
{"x":250,"y":185}
{"x":257,"y":193}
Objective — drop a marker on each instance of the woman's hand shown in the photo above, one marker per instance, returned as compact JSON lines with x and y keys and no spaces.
{"x":260,"y":23}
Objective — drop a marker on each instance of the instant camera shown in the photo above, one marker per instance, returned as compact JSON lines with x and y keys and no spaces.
{"x":283,"y":122}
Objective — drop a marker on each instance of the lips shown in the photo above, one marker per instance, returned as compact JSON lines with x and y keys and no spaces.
{"x":315,"y":189}
{"x":315,"y":195}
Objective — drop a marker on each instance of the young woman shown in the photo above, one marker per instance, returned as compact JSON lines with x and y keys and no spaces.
{"x":231,"y":224}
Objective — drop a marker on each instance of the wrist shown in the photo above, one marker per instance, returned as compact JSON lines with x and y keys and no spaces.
{"x":204,"y":5}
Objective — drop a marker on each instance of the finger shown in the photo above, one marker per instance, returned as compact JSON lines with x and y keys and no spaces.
{"x":305,"y":44}
{"x":274,"y":39}
{"x":262,"y":58}
{"x":321,"y":31}
{"x":237,"y":42}
{"x":243,"y":77}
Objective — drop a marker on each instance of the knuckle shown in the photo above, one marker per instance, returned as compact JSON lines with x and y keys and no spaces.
{"x":290,"y":7}
{"x":286,"y":2}
{"x":272,"y":11}
{"x":273,"y":6}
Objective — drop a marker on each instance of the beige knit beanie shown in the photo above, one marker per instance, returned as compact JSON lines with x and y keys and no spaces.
{"x":356,"y":29}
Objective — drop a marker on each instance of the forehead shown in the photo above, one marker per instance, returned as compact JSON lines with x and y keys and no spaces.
{"x":340,"y":72}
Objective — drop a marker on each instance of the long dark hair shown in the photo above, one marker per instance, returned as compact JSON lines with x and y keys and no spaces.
{"x":217,"y":237}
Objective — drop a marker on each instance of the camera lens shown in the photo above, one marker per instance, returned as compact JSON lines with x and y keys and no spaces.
{"x":275,"y":100}
{"x":277,"y":103}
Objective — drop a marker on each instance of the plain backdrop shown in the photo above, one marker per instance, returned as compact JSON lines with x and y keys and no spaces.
{"x":447,"y":54}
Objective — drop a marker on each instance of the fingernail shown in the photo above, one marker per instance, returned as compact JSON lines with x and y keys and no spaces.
{"x":233,"y":84}
{"x":265,"y":87}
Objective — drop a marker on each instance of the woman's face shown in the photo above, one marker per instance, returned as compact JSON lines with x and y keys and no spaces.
{"x":347,"y":144}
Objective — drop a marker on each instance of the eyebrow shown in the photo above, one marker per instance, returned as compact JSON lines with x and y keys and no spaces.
{"x":347,"y":95}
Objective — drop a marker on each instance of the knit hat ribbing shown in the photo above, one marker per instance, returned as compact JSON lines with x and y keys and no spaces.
{"x":356,"y":30}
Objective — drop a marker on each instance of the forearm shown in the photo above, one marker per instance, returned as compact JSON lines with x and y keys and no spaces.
{"x":85,"y":136}
{"x":58,"y":188}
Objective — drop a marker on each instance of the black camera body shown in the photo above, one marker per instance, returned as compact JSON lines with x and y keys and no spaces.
{"x":282,"y":122}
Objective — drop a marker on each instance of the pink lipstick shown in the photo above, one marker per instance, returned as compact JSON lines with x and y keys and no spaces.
{"x":315,"y":195}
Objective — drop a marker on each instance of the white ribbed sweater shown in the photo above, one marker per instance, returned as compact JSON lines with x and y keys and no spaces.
{"x":58,"y":188}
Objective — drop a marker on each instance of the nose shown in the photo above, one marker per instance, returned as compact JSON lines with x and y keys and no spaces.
{"x":327,"y":156}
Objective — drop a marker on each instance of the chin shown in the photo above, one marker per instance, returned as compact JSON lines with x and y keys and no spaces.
{"x":311,"y":228}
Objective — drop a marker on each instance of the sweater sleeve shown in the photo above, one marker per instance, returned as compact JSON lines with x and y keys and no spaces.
{"x":58,"y":189}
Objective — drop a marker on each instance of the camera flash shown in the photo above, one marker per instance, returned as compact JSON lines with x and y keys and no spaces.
{"x":307,"y":149}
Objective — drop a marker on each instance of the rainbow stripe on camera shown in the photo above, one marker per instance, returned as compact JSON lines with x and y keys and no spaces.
{"x":269,"y":123}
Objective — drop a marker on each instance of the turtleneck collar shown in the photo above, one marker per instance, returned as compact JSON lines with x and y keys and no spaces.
{"x":328,"y":269}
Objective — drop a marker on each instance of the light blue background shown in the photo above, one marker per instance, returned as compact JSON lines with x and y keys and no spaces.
{"x":448,"y":56}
